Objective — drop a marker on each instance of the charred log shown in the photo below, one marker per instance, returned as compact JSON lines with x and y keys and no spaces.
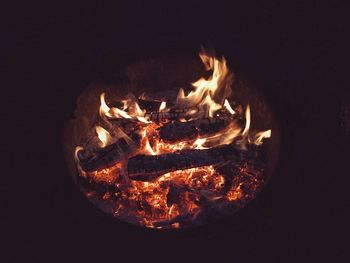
{"x":149,"y":105}
{"x":108,"y":156}
{"x":173,"y":114}
{"x":147,"y":167}
{"x":177,"y":130}
{"x":99,"y":187}
{"x":127,"y":125}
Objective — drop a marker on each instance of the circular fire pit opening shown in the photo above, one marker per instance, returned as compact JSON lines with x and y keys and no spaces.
{"x":177,"y":142}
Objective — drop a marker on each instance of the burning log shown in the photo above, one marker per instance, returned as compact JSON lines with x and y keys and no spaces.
{"x":177,"y":130}
{"x":148,"y":167}
{"x":149,"y":105}
{"x":173,"y":114}
{"x":108,"y":156}
{"x":127,"y":125}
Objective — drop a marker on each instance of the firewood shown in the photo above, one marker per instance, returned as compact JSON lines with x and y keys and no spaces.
{"x":109,"y":155}
{"x":183,"y":219}
{"x":148,"y":167}
{"x":173,"y":114}
{"x":177,"y":130}
{"x":128,"y":126}
{"x":149,"y":105}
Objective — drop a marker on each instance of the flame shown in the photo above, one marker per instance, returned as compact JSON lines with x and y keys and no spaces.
{"x":138,"y":111}
{"x":134,"y":110}
{"x":198,"y":144}
{"x":228,"y":107}
{"x":148,"y":148}
{"x":210,"y":105}
{"x":104,"y":109}
{"x":207,"y":91}
{"x":125,"y":104}
{"x":162,"y":106}
{"x":111,"y":112}
{"x":220,"y":71}
{"x":261,"y":135}
{"x":77,"y":161}
{"x":226,"y":136}
{"x":117,"y":113}
{"x":77,"y":149}
{"x":247,"y":121}
{"x":103,"y":135}
{"x":143,"y":119}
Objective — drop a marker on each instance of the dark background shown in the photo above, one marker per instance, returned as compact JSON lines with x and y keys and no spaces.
{"x":296,"y":50}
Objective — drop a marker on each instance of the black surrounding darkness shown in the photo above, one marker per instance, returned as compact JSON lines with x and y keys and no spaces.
{"x":296,"y":50}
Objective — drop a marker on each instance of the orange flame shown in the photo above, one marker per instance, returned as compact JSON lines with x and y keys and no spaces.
{"x":205,"y":90}
{"x":134,"y":110}
{"x":77,"y":149}
{"x":104,"y":136}
{"x":228,"y":107}
{"x":198,"y":144}
{"x":162,"y":106}
{"x":148,"y":148}
{"x":247,"y":121}
{"x":262,"y":135}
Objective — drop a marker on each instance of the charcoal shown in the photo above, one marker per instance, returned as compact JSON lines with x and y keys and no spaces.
{"x":109,"y":155}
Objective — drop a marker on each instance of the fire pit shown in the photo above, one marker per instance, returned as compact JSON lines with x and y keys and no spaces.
{"x":176,"y":143}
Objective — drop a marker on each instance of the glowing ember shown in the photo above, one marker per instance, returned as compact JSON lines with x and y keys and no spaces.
{"x":192,"y":155}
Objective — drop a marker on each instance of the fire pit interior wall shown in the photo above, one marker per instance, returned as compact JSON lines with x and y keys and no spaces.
{"x":172,"y":203}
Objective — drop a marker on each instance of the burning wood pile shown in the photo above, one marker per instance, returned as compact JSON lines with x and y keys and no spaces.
{"x":173,"y":163}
